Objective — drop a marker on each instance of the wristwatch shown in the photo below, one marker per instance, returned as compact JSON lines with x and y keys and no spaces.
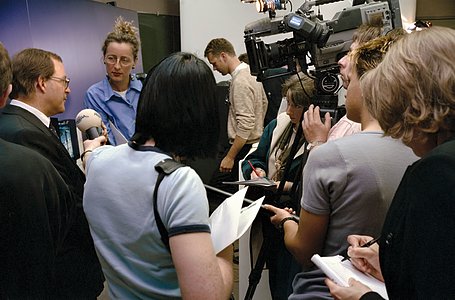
{"x":311,"y":145}
{"x":281,"y":224}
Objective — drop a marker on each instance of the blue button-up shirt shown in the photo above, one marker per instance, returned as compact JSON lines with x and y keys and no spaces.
{"x":114,"y":108}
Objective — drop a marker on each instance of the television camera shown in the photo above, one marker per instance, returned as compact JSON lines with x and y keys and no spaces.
{"x":315,"y":43}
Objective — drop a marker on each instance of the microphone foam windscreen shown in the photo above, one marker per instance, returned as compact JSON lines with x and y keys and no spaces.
{"x":88,"y":118}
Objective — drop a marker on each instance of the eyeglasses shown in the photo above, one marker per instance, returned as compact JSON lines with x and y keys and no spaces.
{"x":66,"y":80}
{"x":124,"y":61}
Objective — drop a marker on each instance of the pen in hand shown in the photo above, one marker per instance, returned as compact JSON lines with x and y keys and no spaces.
{"x":254,"y":169}
{"x":366,"y":245}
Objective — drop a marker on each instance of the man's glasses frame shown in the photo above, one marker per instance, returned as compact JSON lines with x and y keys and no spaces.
{"x":65,"y":80}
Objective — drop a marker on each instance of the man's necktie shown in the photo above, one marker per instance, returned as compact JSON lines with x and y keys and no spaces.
{"x":52,"y":129}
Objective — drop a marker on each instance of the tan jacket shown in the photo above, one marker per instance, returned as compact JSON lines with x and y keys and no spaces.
{"x":248,"y":105}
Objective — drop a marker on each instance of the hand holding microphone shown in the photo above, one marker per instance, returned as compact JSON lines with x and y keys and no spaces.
{"x":89,"y":122}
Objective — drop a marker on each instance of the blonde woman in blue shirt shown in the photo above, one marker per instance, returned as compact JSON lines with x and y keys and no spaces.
{"x":115,"y":97}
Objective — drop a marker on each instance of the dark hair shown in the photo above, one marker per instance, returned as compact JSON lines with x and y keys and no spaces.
{"x":178,"y":109}
{"x":28,"y":65}
{"x":6,"y":74}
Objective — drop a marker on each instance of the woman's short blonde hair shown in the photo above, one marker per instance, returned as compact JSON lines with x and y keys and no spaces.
{"x":413,"y":90}
{"x":124,"y":32}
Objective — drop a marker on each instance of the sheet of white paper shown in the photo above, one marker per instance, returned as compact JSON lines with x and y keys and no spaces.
{"x":229,"y":221}
{"x":247,"y":216}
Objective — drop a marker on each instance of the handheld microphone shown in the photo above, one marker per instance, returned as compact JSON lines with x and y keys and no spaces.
{"x":89,"y":122}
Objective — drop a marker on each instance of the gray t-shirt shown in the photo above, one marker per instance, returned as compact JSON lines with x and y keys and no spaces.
{"x":353,"y":179}
{"x":118,"y":203}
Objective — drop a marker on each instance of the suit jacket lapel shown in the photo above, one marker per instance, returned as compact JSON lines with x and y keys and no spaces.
{"x":28,"y":116}
{"x":35,"y":122}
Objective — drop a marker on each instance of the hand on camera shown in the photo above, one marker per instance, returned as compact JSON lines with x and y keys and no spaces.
{"x":313,"y":128}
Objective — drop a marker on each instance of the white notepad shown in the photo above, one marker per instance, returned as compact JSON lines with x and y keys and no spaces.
{"x":340,"y":272}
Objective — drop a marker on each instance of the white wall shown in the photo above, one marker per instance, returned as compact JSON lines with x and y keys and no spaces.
{"x":203,"y":20}
{"x":159,"y":7}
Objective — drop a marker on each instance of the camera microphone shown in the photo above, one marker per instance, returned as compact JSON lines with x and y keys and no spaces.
{"x":89,"y":122}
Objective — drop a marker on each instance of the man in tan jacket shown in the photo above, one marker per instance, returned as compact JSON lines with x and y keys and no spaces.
{"x":247,"y":108}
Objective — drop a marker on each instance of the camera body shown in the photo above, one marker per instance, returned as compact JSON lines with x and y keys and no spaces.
{"x":315,"y":43}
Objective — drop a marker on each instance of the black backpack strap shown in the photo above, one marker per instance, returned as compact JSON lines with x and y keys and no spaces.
{"x":167,"y":166}
{"x":164,"y":167}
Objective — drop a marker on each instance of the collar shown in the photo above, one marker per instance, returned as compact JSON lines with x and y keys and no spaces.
{"x":138,"y":147}
{"x":135,"y":84}
{"x":239,"y":68}
{"x":42,"y":117}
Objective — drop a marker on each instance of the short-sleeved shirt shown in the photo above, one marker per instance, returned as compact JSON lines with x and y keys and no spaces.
{"x":118,"y":203}
{"x":353,"y":180}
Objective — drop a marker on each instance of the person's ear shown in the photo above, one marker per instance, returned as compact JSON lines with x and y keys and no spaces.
{"x":41,"y":83}
{"x":224,"y":57}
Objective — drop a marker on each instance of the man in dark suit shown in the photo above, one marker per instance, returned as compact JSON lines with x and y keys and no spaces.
{"x":40,"y":88}
{"x":36,"y":209}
